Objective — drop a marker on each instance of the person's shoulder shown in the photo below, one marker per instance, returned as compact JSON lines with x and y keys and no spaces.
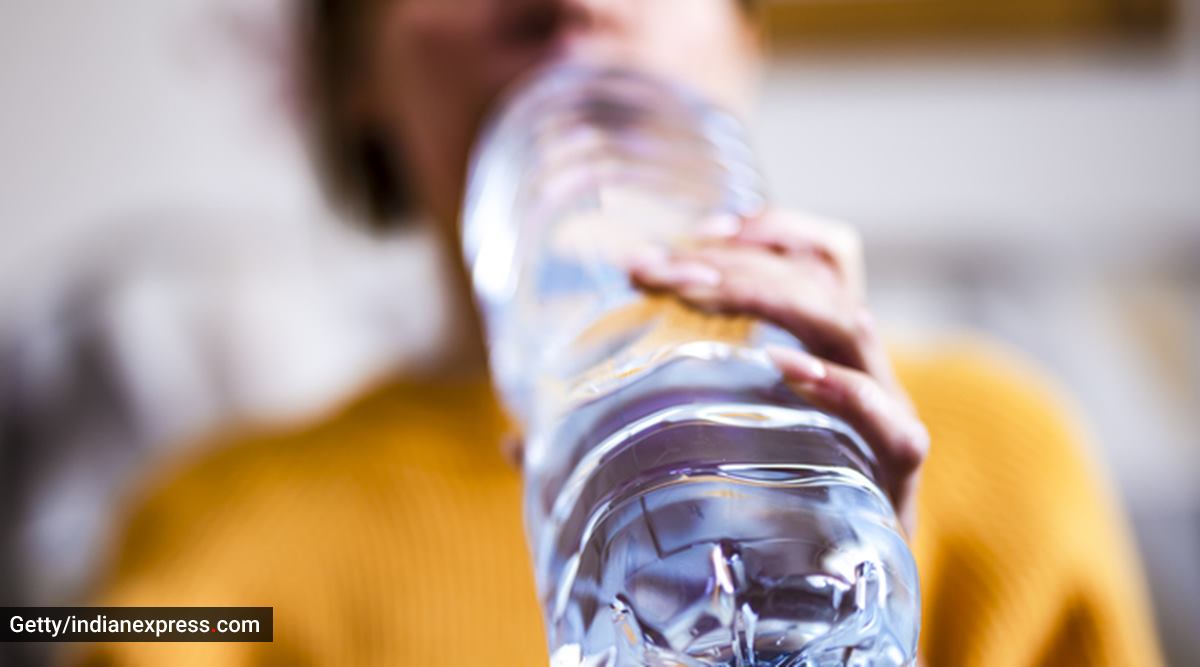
{"x":322,"y":468}
{"x":934,"y":364}
{"x":997,"y":419}
{"x":1004,"y":433}
{"x":1017,"y":508}
{"x":423,"y":420}
{"x":366,"y":502}
{"x":976,"y":381}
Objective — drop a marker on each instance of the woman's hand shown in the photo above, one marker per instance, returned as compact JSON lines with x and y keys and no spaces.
{"x":805,"y":275}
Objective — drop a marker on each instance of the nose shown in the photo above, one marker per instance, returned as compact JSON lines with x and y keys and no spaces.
{"x":594,"y":15}
{"x":599,"y":30}
{"x":572,"y":25}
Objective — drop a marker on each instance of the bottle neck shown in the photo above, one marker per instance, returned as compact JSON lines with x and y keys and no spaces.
{"x":580,"y":170}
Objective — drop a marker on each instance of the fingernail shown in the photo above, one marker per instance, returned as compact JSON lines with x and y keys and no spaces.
{"x":690,"y":273}
{"x":719,"y":227}
{"x":865,"y":319}
{"x":648,"y":256}
{"x":797,"y":365}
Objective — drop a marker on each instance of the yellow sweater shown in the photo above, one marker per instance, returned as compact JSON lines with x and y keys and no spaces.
{"x":391,"y":534}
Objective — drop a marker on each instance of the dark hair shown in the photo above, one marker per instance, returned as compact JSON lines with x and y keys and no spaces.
{"x":358,"y":168}
{"x":354,"y":162}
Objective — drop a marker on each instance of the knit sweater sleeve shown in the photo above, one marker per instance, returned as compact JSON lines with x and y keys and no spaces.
{"x":1025,"y":556}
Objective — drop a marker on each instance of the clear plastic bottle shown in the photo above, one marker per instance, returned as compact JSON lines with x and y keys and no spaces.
{"x":683,"y":506}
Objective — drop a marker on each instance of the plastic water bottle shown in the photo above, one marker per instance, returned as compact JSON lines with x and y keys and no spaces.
{"x":682,"y":505}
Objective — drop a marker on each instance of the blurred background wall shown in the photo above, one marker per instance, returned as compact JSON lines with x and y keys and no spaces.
{"x":166,"y":265}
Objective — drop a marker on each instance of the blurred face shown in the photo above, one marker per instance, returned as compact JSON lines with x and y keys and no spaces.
{"x":435,"y":66}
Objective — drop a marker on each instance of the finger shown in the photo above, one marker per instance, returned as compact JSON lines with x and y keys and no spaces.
{"x":906,"y":508}
{"x":796,"y":234}
{"x":801,"y":296}
{"x":896,"y":436}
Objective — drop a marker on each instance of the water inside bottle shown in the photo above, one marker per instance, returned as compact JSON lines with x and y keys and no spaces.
{"x":685,"y":534}
{"x":683,"y":506}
